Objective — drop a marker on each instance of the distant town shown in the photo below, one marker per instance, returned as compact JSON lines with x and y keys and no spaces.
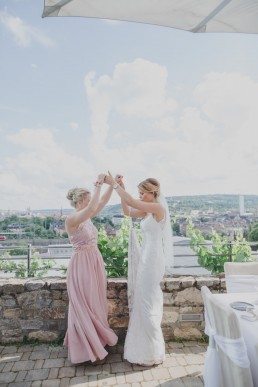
{"x":226,"y":214}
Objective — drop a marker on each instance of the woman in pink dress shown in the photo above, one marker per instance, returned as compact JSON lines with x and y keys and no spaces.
{"x":88,"y":330}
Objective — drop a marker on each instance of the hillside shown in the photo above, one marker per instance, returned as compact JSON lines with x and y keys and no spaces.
{"x":185,"y":204}
{"x":218,"y":203}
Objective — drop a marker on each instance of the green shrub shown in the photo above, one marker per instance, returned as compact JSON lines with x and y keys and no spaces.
{"x":38,"y":266}
{"x":115,"y":250}
{"x":213,"y":256}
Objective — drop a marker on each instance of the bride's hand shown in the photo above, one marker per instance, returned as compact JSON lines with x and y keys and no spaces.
{"x":109,"y":179}
{"x":101,"y":178}
{"x":119,"y":181}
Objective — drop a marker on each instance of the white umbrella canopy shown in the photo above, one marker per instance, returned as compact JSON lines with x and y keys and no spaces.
{"x":189,"y":15}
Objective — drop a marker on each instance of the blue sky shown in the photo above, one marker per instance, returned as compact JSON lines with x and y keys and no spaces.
{"x":79,"y":96}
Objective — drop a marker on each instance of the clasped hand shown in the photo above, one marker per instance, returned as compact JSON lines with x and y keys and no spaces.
{"x":109,"y":179}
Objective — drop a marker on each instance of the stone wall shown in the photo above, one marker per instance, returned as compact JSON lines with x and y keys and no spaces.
{"x":37,"y":308}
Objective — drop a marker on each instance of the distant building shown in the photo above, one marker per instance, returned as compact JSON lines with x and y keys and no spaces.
{"x":109,"y":230}
{"x":241,"y":205}
{"x":117,"y":219}
{"x":58,"y":227}
{"x":59,"y":251}
{"x":195,"y":212}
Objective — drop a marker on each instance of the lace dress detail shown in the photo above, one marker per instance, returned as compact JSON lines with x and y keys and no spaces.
{"x":133,"y":262}
{"x":144,"y":342}
{"x":88,"y":331}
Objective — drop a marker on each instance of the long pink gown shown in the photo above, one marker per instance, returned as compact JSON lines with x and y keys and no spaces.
{"x":88,"y":331}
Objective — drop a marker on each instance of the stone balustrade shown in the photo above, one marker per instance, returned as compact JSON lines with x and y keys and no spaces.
{"x":37,"y":308}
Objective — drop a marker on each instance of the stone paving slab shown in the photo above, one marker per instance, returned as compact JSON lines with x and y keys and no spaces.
{"x":46,"y":366}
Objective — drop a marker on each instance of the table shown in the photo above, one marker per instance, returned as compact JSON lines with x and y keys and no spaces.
{"x":249,"y":329}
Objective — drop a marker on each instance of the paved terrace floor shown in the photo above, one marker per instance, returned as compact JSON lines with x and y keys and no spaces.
{"x":47,"y":366}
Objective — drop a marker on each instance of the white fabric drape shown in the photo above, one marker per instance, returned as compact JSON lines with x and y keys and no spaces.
{"x":235,"y":349}
{"x":133,"y":261}
{"x":241,"y":283}
{"x":167,"y":238}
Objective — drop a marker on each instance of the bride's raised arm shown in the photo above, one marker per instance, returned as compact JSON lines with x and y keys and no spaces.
{"x":144,"y":207}
{"x":127,"y":210}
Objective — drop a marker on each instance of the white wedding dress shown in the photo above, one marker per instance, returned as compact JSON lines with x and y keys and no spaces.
{"x":144,"y":343}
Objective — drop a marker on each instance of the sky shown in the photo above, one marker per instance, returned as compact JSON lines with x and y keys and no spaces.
{"x":79,"y":97}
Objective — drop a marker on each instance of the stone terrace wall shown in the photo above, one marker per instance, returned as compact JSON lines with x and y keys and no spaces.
{"x":37,"y":308}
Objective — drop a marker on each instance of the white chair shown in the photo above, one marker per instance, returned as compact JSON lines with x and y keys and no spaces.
{"x":241,"y":276}
{"x":226,"y":360}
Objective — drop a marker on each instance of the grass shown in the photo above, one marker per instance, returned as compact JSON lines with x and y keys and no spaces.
{"x":202,"y":339}
{"x":34,"y":342}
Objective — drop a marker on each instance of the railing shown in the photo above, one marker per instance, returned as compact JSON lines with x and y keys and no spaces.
{"x":45,"y":255}
{"x":28,"y":256}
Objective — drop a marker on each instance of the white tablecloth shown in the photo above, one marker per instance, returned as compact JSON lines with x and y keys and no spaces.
{"x":249,"y":328}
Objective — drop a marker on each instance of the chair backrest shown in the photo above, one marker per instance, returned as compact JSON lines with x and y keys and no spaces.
{"x":241,"y":276}
{"x":241,"y":268}
{"x":225,"y":323}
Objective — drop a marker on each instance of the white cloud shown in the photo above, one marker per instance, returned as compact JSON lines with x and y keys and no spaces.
{"x":42,"y":169}
{"x":136,"y":91}
{"x":228,"y":98}
{"x":206,"y":147}
{"x":12,"y":109}
{"x":24,"y":34}
{"x":10,"y":184}
{"x":44,"y":157}
{"x":140,"y":90}
{"x":74,"y":125}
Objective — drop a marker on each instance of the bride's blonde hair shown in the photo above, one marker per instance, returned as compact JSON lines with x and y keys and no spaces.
{"x":76,"y":194}
{"x":150,"y":185}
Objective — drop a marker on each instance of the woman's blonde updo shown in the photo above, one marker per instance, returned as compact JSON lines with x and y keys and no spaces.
{"x":76,"y":194}
{"x":150,"y":185}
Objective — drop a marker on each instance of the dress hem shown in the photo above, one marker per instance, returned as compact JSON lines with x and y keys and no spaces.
{"x":146,"y":363}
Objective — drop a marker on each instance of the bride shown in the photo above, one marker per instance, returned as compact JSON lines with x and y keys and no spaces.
{"x":144,"y":343}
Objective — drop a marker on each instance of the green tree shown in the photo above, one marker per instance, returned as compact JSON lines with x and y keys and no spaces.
{"x":176,"y":229}
{"x":22,"y":250}
{"x":253,"y":234}
{"x":13,"y":219}
{"x":50,"y":234}
{"x":47,"y":222}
